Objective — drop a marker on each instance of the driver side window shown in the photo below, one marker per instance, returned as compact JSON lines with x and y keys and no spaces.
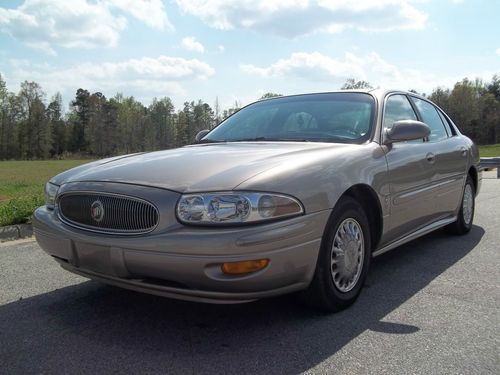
{"x":397,"y":107}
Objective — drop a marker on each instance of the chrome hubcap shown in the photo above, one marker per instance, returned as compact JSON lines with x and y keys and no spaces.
{"x":467,"y":204}
{"x":347,"y":255}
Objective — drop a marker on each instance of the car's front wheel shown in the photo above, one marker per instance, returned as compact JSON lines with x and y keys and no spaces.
{"x":343,"y":260}
{"x":463,"y":224}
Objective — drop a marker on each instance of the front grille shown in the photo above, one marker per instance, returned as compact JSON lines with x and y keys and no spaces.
{"x":108,"y":213}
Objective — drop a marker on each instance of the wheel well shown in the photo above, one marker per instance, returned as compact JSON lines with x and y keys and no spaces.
{"x":368,"y":199}
{"x":473,"y":174}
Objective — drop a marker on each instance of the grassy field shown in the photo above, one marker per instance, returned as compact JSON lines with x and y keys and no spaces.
{"x":21,"y":186}
{"x":489,"y":150}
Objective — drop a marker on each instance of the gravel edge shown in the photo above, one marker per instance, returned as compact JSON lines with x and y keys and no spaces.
{"x":15,"y":232}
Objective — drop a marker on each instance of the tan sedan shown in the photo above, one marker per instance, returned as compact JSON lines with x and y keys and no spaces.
{"x":292,"y":194}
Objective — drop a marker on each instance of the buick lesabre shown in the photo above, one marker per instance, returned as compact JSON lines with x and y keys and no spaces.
{"x":291,"y":194}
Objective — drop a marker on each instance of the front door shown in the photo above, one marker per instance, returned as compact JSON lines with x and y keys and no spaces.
{"x":412,"y":174}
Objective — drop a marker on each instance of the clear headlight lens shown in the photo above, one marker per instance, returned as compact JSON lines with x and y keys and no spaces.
{"x":235,"y":207}
{"x":50,"y":195}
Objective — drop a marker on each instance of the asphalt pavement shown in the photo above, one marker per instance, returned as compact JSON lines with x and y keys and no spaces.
{"x":431,"y":306}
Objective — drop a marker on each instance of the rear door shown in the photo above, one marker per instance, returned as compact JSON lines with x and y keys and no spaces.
{"x":451,"y":158}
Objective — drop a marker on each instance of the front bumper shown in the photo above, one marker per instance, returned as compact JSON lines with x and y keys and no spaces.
{"x":185,"y":262}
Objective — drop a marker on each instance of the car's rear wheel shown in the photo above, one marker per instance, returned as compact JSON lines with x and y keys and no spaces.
{"x":343,"y":260}
{"x":463,"y":224}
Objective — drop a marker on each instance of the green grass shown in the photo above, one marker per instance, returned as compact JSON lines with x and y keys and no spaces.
{"x":21,"y":186}
{"x":489,"y":150}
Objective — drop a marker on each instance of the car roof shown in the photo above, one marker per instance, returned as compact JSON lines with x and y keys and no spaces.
{"x":378,"y":92}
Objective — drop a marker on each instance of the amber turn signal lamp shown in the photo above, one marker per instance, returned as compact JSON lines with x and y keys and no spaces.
{"x":246,"y":266}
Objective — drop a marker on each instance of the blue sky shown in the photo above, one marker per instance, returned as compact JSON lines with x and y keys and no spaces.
{"x":238,"y":50}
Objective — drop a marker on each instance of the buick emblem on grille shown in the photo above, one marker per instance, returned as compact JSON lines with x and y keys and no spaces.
{"x":108,"y":213}
{"x":97,"y":211}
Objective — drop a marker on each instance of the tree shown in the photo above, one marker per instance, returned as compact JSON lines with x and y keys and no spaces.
{"x":269,"y":95}
{"x":494,"y":86}
{"x":463,"y":107}
{"x":162,"y":131}
{"x":81,"y":119}
{"x":182,"y":136}
{"x":34,"y":130}
{"x":11,"y":118}
{"x":131,"y":123}
{"x":217,"y":113}
{"x":352,"y":84}
{"x":101,"y":126}
{"x":109,"y":129}
{"x":4,"y":117}
{"x":203,"y":118}
{"x":441,"y":97}
{"x":230,"y":111}
{"x":57,"y":125}
{"x":489,"y":108}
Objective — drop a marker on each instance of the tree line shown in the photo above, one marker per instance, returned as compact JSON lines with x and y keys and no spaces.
{"x":474,"y":106}
{"x":96,"y":126}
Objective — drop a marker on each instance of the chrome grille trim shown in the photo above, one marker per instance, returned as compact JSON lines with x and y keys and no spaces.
{"x":123,"y":214}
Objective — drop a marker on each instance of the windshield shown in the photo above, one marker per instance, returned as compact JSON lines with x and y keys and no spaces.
{"x":333,"y":117}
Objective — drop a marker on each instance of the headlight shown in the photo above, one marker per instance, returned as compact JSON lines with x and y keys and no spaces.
{"x":50,"y":195}
{"x":235,"y":207}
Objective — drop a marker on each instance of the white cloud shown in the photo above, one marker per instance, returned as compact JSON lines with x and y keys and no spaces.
{"x":163,"y":67}
{"x":191,"y":44}
{"x":292,"y":18}
{"x":19,"y":62}
{"x":318,"y":70}
{"x":151,"y":12}
{"x":314,"y":66}
{"x":497,"y":51}
{"x":145,"y":77}
{"x":63,"y":23}
{"x":44,"y":24}
{"x":221,"y":48}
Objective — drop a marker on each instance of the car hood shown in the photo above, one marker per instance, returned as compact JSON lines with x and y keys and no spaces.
{"x":207,"y":167}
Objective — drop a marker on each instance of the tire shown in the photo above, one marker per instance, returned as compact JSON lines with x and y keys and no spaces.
{"x":324,"y":293}
{"x":465,"y":217}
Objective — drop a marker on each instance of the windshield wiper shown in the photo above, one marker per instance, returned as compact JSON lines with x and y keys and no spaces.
{"x":265,"y":139}
{"x":210,"y":141}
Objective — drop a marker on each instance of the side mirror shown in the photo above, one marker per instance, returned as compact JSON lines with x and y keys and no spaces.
{"x":406,"y":130}
{"x":200,"y":135}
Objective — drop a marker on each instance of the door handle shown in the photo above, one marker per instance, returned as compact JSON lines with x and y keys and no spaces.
{"x":431,"y":158}
{"x":463,"y":151}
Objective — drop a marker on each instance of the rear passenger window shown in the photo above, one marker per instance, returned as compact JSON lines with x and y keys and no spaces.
{"x":431,"y":117}
{"x":447,"y":125}
{"x":397,"y":107}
